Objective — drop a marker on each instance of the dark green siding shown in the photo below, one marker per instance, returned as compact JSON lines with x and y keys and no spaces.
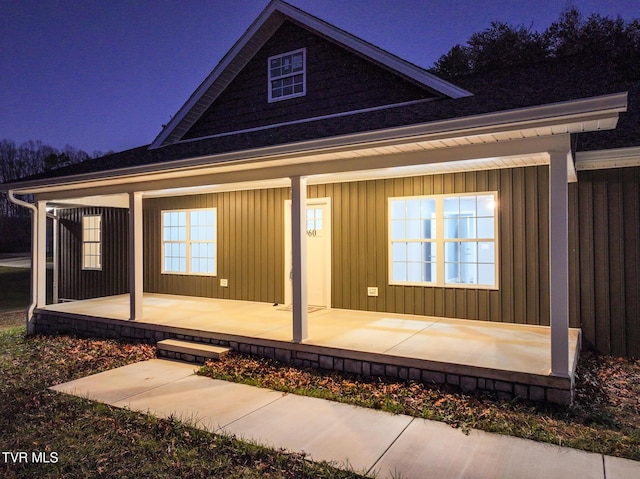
{"x":603,"y":233}
{"x":76,"y":283}
{"x":360,"y":245}
{"x":605,"y":208}
{"x":250,"y":246}
{"x":338,"y":81}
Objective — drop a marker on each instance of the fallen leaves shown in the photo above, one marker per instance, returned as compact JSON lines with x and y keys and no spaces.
{"x":609,"y":390}
{"x":605,"y":418}
{"x":96,"y":440}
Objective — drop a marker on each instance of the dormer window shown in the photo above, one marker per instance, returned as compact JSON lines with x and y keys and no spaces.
{"x":287,"y":75}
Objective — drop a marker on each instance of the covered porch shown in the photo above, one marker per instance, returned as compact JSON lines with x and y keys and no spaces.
{"x":510,"y":359}
{"x":522,"y":157}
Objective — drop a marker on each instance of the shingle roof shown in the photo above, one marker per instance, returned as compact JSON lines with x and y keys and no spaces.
{"x":274,"y":14}
{"x":531,"y":85}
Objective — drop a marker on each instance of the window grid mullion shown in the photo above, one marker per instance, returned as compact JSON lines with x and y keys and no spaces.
{"x":188,"y":240}
{"x":440,"y":271}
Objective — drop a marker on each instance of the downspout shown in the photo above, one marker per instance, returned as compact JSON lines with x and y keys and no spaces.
{"x":34,"y":258}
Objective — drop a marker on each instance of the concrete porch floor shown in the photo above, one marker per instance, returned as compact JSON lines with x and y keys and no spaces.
{"x":498,"y":347}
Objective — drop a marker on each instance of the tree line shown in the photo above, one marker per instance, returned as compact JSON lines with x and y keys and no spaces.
{"x":594,"y":38}
{"x":31,"y":158}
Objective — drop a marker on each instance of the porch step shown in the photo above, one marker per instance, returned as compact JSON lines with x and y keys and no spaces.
{"x":189,"y":351}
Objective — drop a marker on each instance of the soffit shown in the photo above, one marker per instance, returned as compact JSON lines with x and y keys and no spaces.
{"x":460,"y":166}
{"x":408,"y":159}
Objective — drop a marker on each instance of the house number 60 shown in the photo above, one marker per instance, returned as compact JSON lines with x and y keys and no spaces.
{"x":312,"y":232}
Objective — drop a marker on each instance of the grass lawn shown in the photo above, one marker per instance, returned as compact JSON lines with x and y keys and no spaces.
{"x":94,"y":440}
{"x":12,"y":319}
{"x":14,"y":288}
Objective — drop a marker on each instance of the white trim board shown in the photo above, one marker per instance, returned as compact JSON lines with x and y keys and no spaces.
{"x":492,"y":130}
{"x":611,"y":158}
{"x":306,"y":120}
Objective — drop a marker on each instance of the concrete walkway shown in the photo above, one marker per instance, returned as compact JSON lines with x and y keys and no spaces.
{"x":368,"y":441}
{"x":15,"y":261}
{"x":18,"y":260}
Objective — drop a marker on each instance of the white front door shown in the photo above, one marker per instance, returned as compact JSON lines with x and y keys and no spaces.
{"x":318,"y":237}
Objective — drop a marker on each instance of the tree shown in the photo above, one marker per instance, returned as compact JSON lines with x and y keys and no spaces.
{"x":456,"y":61}
{"x":31,"y":158}
{"x":66,"y":157}
{"x":595,"y":39}
{"x":504,"y":45}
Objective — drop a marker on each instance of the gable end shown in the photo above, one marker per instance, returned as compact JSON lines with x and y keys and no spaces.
{"x":253,"y":40}
{"x":336,"y":81}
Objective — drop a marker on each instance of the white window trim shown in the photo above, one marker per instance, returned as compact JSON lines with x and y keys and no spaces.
{"x":304,"y":75}
{"x":85,"y":241}
{"x":440,"y":242}
{"x":187,"y":242}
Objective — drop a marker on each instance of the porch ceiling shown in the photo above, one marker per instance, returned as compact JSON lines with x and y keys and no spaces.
{"x":321,"y":168}
{"x":114,"y":201}
{"x":363,"y":175}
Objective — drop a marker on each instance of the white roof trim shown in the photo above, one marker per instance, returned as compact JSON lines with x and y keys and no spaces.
{"x":112,"y":201}
{"x":254,"y":38}
{"x":459,"y":166}
{"x":307,"y":120}
{"x":611,"y":158}
{"x":545,"y":121}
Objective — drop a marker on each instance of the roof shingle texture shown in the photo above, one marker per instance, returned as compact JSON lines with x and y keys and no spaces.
{"x":519,"y":87}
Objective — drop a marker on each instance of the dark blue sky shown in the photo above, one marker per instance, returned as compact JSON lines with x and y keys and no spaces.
{"x":105,"y":75}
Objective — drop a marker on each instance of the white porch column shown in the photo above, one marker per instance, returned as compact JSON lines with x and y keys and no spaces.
{"x":56,"y":253}
{"x":299,"y":260}
{"x":135,"y":255}
{"x":40,"y":267}
{"x":559,"y":262}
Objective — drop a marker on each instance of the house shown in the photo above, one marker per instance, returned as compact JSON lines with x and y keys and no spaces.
{"x":311,"y":168}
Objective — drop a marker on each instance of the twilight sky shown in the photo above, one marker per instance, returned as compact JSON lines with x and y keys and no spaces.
{"x":105,"y":75}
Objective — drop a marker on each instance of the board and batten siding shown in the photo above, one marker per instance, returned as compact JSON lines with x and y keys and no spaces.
{"x":74,"y":283}
{"x":360,"y":247}
{"x":604,"y":245}
{"x":605,"y":268}
{"x":338,"y":80}
{"x":250,"y":246}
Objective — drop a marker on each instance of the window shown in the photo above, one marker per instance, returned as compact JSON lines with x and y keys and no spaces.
{"x":287,"y":75}
{"x":189,"y":242}
{"x":92,"y":242}
{"x":443,"y":240}
{"x":314,"y":221}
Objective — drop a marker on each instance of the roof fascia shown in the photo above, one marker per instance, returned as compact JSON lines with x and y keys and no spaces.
{"x":373,"y":52}
{"x":242,"y":43}
{"x":607,"y":106}
{"x":307,"y":166}
{"x":250,"y":42}
{"x":610,"y":158}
